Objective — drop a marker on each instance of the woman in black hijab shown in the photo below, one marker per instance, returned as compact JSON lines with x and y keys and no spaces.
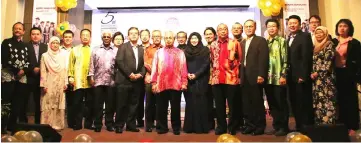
{"x":196,"y":114}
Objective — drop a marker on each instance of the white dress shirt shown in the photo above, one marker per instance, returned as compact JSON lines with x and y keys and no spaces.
{"x":135,"y":51}
{"x":248,"y":42}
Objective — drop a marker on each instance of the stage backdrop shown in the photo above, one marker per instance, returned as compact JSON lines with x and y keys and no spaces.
{"x":188,"y":20}
{"x":300,"y":8}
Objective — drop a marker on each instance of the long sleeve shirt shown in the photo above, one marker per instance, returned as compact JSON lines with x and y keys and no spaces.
{"x":78,"y":69}
{"x":148,"y":59}
{"x":278,"y":64}
{"x":169,"y":69}
{"x":225,"y":57}
{"x":102,"y":63}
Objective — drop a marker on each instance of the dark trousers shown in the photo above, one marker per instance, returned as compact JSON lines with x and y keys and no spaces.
{"x":33,"y":89}
{"x":238,"y":98}
{"x":163,"y":99}
{"x":150,"y":105}
{"x":127,"y":99}
{"x":104,"y":94}
{"x":223,"y":93}
{"x":18,"y":100}
{"x":7,"y":92}
{"x":253,"y":105}
{"x":347,"y":99}
{"x":277,"y":101}
{"x":210,"y":107}
{"x":301,"y":103}
{"x":69,"y":95}
{"x":140,"y":108}
{"x":81,"y":95}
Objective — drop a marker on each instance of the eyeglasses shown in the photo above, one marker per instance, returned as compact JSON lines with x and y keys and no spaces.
{"x":106,"y":37}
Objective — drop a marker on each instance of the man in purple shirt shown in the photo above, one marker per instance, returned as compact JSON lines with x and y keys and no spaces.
{"x":101,"y":75}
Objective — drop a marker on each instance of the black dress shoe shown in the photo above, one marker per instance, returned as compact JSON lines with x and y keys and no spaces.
{"x":271,"y":132}
{"x":97,"y":129}
{"x":281,"y":132}
{"x":110,"y":129}
{"x":148,"y":130}
{"x":232,"y":132}
{"x":140,"y":124}
{"x":242,"y":128}
{"x":248,"y":130}
{"x":258,"y":132}
{"x":219,"y":132}
{"x":118,"y":130}
{"x":176,"y":132}
{"x":162,"y":132}
{"x":77,"y":128}
{"x":89,"y":127}
{"x":132,"y":130}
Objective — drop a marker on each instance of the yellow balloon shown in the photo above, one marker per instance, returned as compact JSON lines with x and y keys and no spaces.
{"x":224,"y":137}
{"x":276,"y":13}
{"x":275,"y":8}
{"x":261,"y":4}
{"x":8,"y":138}
{"x":59,"y":3}
{"x":268,"y":3}
{"x":282,"y":3}
{"x":232,"y":140}
{"x":20,"y":136}
{"x":276,"y":1}
{"x":73,"y":4}
{"x":267,"y":12}
{"x":83,"y":138}
{"x":301,"y":138}
{"x":68,"y":4}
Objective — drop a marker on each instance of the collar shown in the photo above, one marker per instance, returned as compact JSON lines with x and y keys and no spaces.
{"x":147,"y":45}
{"x":155,"y":46}
{"x":63,"y":47}
{"x":37,"y":44}
{"x":110,"y":46}
{"x":294,"y":35}
{"x":249,"y":38}
{"x":169,"y":47}
{"x":16,"y":39}
{"x":224,"y":41}
{"x":270,"y":40}
{"x":133,"y":45}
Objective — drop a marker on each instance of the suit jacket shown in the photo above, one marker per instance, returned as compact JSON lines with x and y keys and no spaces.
{"x":300,"y":56}
{"x":126,"y":64}
{"x":257,"y":60}
{"x":353,"y":59}
{"x":32,"y":77}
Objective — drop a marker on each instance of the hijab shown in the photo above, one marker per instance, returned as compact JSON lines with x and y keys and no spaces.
{"x":192,"y":51}
{"x":54,"y":60}
{"x":319,"y":46}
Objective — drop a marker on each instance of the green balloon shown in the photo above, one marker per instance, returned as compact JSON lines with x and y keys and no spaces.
{"x":62,"y":28}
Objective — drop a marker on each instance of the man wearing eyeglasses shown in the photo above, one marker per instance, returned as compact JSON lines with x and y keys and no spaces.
{"x":150,"y":109}
{"x":102,"y":74}
{"x":182,"y":39}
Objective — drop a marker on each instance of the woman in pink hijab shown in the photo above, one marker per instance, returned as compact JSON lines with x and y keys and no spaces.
{"x":53,"y":82}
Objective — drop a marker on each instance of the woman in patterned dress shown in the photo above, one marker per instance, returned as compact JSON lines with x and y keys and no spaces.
{"x":53,"y":82}
{"x":324,"y":89}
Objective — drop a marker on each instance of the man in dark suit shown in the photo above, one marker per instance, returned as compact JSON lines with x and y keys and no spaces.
{"x":36,"y":49}
{"x":300,"y":49}
{"x":253,"y":75}
{"x":129,"y":81}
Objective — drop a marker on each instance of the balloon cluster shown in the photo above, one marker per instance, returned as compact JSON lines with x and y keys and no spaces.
{"x":23,"y":136}
{"x":65,"y":5}
{"x":297,"y":137}
{"x":62,"y":27}
{"x":271,"y":7}
{"x":83,"y":138}
{"x":228,"y":139}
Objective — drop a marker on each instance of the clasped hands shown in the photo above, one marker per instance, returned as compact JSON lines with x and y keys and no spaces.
{"x":191,"y":76}
{"x":134,"y":77}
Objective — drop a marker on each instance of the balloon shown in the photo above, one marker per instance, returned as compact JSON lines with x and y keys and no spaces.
{"x":276,"y":14}
{"x":74,"y":4}
{"x":8,"y":138}
{"x":301,"y":138}
{"x":64,"y":8}
{"x":68,"y":4}
{"x":261,"y":4}
{"x":62,"y":27}
{"x":358,"y":135}
{"x":232,"y":140}
{"x":267,"y":12}
{"x":33,"y":136}
{"x":276,"y":8}
{"x":291,"y":135}
{"x":59,"y":3}
{"x":282,"y":3}
{"x":276,"y":1}
{"x":268,"y":4}
{"x":20,"y":136}
{"x":224,"y":137}
{"x":83,"y":138}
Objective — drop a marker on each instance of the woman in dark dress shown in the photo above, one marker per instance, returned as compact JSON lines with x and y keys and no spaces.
{"x":196,"y":115}
{"x":348,"y":65}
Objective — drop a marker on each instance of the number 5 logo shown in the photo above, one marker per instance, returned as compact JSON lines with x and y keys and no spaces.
{"x":108,"y":16}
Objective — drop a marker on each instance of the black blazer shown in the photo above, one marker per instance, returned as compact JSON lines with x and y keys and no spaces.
{"x":257,"y":60}
{"x":125,"y":63}
{"x":32,"y":77}
{"x":300,"y":56}
{"x":353,"y":60}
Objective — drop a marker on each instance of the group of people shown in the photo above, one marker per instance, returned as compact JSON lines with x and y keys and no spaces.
{"x":319,"y":74}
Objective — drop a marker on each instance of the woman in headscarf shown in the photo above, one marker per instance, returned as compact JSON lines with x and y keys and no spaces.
{"x":196,"y":115}
{"x":324,"y":89}
{"x":53,"y":82}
